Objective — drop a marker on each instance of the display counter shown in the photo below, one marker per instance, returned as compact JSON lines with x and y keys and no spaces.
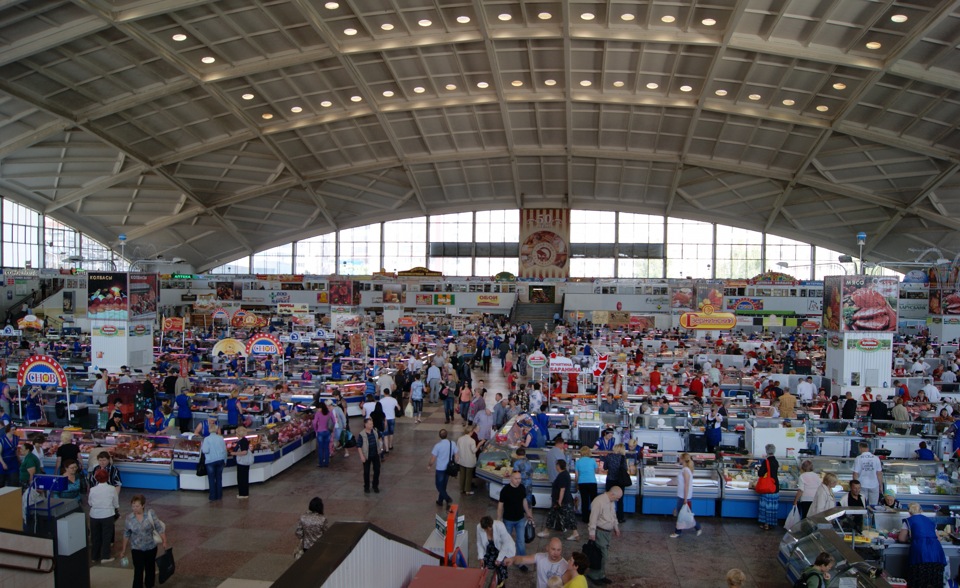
{"x":275,"y":448}
{"x":659,"y":484}
{"x":739,"y":475}
{"x":927,"y":483}
{"x":837,"y":438}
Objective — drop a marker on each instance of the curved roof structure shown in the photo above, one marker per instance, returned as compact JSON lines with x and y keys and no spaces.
{"x":209,"y":130}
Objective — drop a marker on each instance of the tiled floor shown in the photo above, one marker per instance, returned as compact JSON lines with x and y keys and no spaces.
{"x":248,"y":544}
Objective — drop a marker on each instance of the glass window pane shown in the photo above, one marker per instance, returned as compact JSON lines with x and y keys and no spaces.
{"x":405,"y":244}
{"x":689,"y":249}
{"x":317,"y":255}
{"x":240,"y":266}
{"x":360,"y":250}
{"x":278,"y":260}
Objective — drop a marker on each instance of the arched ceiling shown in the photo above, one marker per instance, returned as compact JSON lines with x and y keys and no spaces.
{"x":111,"y":125}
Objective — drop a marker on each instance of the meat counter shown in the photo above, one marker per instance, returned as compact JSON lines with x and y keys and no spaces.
{"x":739,"y":475}
{"x":659,"y":484}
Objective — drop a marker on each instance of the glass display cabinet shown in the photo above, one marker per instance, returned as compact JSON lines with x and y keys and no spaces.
{"x":658,"y":488}
{"x":739,"y":476}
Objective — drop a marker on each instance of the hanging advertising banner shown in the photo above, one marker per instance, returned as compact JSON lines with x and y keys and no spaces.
{"x":68,"y":302}
{"x":708,"y":321}
{"x":642,"y":322}
{"x":173,"y":324}
{"x":744,"y":304}
{"x":264,"y":344}
{"x":860,"y":303}
{"x":323,"y":298}
{"x":682,"y":295}
{"x":444,"y":299}
{"x":229,"y":290}
{"x":291,"y":308}
{"x":618,"y":318}
{"x":30,"y":321}
{"x":709,"y":292}
{"x":544,"y":243}
{"x":341,"y":291}
{"x":108,"y":331}
{"x":140,"y":330}
{"x":944,"y":291}
{"x":220,"y":313}
{"x":424,"y":299}
{"x":563,"y":365}
{"x":304,"y":320}
{"x":407,"y":321}
{"x":869,"y":344}
{"x":205,"y":302}
{"x":229,"y":346}
{"x":43,"y":371}
{"x":343,"y":319}
{"x":107,"y":296}
{"x":144,"y":295}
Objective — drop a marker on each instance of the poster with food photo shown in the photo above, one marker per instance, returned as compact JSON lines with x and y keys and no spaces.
{"x":144,"y":294}
{"x":832,"y":302}
{"x":544,"y":243}
{"x":107,"y":296}
{"x":869,"y":303}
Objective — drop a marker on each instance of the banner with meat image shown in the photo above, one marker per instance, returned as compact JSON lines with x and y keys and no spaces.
{"x":944,"y":291}
{"x":544,"y":243}
{"x":860,"y":303}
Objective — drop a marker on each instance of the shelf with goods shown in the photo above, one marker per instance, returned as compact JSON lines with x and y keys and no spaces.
{"x":739,"y":476}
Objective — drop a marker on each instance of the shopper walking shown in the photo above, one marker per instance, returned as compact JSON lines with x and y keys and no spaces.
{"x":104,"y":504}
{"x":466,"y":395}
{"x":869,"y":470}
{"x":444,"y":451}
{"x":311,"y":527}
{"x":586,"y":481}
{"x":514,"y":510}
{"x":368,"y":446}
{"x":416,"y":396}
{"x":494,"y":546}
{"x":138,"y":529}
{"x":324,"y":423}
{"x":214,"y":449}
{"x":467,"y":459}
{"x":602,"y":527}
{"x":685,"y":491}
{"x":390,"y":409}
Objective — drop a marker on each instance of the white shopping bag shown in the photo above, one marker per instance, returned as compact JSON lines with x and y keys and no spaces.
{"x":685,"y":518}
{"x":793,"y":518}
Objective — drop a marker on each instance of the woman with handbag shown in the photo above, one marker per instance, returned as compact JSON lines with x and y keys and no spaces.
{"x":144,"y":531}
{"x":615,"y":466}
{"x":768,"y":487}
{"x":310,"y":527}
{"x":685,"y":492}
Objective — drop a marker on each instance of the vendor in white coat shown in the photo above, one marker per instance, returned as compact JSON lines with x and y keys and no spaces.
{"x":494,"y":545}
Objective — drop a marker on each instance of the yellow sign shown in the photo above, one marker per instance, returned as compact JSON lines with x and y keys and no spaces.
{"x":230,"y":346}
{"x":708,"y":320}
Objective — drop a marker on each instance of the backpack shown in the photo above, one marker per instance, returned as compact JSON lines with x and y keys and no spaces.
{"x":802,"y":580}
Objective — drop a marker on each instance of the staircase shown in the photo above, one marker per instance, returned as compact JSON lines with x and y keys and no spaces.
{"x":537,"y":315}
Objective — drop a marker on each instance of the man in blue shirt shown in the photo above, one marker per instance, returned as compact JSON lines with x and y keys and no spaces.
{"x":214,"y":450}
{"x":443,"y":452}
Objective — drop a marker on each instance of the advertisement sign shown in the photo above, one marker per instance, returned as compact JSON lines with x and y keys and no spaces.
{"x":229,"y":346}
{"x":544,"y":243}
{"x":108,"y":331}
{"x":944,"y":292}
{"x":68,"y":302}
{"x":407,"y":321}
{"x":444,"y":299}
{"x":30,"y":321}
{"x":220,"y":313}
{"x":107,"y":296}
{"x":710,"y":321}
{"x":537,"y":360}
{"x":323,"y":298}
{"x":860,"y":303}
{"x":171,"y":324}
{"x":344,"y":319}
{"x":144,"y":295}
{"x":43,"y":371}
{"x":264,"y":344}
{"x":682,"y":295}
{"x":393,"y":294}
{"x":642,"y":322}
{"x":563,"y":365}
{"x":205,"y":302}
{"x":229,"y":290}
{"x":140,"y":330}
{"x":488,"y":300}
{"x":744,"y":304}
{"x":709,"y":293}
{"x":869,"y":344}
{"x":424,"y":299}
{"x":618,"y":318}
{"x":344,"y":291}
{"x":291,"y":308}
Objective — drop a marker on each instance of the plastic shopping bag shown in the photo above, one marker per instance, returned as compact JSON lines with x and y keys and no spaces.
{"x":793,"y":518}
{"x":685,"y":518}
{"x":408,"y":411}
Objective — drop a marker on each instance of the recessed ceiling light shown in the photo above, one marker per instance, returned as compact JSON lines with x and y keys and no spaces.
{"x":839,"y":86}
{"x":550,"y":82}
{"x":386,"y":26}
{"x":586,"y":83}
{"x":708,"y":22}
{"x":350,"y":32}
{"x":424,"y":22}
{"x":483,"y":85}
{"x":463,"y":19}
{"x":247,"y":96}
{"x":296,"y":110}
{"x":516,"y":83}
{"x":419,"y":90}
{"x":326,"y":104}
{"x":754,"y":96}
{"x":208,"y":59}
{"x":544,"y":16}
{"x":355,"y":99}
{"x":823,"y":108}
{"x":873,"y":45}
{"x":652,"y":85}
{"x":686,"y":88}
{"x":899,"y":18}
{"x":388,"y":93}
{"x":179,"y":37}
{"x":266,"y":116}
{"x":451,"y":87}
{"x":587,"y":16}
{"x":627,"y":17}
{"x":789,"y":102}
{"x":668,"y":18}
{"x":505,"y":16}
{"x":721,"y":92}
{"x":618,"y":84}
{"x":331,"y":6}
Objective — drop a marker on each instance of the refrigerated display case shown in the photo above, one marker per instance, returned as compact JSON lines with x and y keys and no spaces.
{"x":927,"y":483}
{"x":658,"y":491}
{"x":739,"y":475}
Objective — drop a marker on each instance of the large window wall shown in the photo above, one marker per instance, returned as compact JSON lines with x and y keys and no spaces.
{"x":604,"y":244}
{"x":33,"y":240}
